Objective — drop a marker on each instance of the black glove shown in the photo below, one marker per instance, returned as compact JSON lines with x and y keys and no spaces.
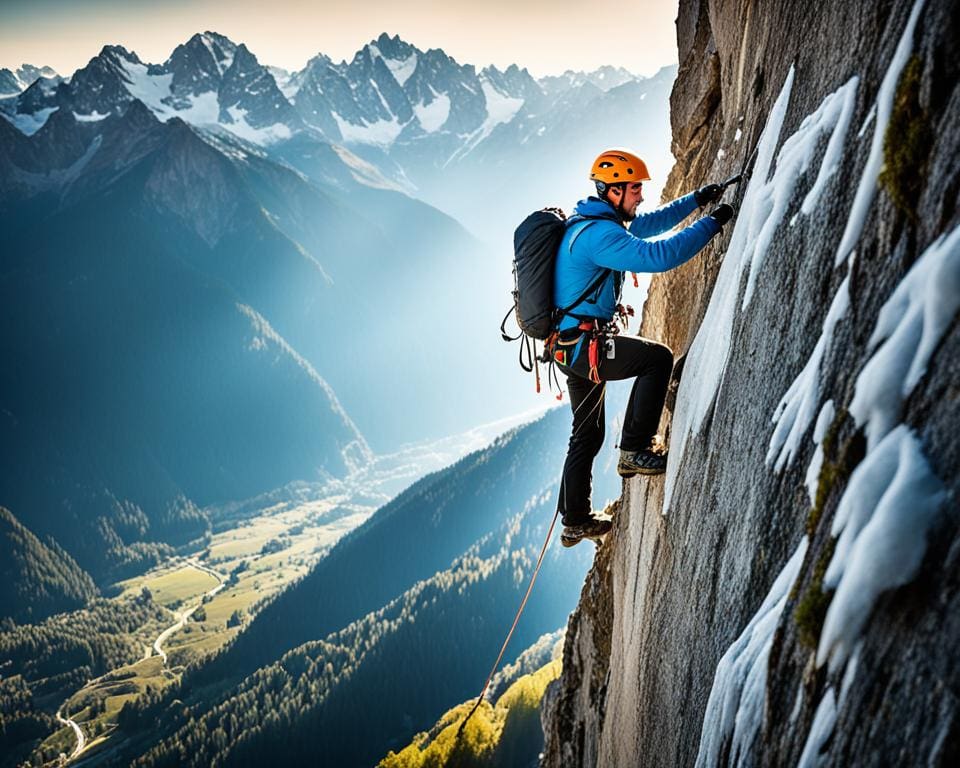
{"x":708,"y":194}
{"x":722,"y":214}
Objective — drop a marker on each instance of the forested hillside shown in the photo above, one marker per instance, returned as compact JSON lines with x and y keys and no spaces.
{"x":411,"y":538}
{"x":43,"y":663}
{"x":371,"y":686}
{"x":503,"y":732}
{"x":37,"y":579}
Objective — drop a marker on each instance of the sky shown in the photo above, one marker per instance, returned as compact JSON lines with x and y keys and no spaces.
{"x":545,"y":37}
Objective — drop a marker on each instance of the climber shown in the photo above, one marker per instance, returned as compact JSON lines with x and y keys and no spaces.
{"x":605,"y":236}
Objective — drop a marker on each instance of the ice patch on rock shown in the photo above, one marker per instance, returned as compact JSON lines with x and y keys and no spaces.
{"x":707,"y":358}
{"x":382,"y":132}
{"x":93,"y":117}
{"x":823,"y":722}
{"x":795,"y":410}
{"x":30,"y":124}
{"x":871,"y":169}
{"x":401,"y":69}
{"x":150,"y":89}
{"x":735,"y":708}
{"x":824,"y":420}
{"x":762,"y":211}
{"x":774,"y":196}
{"x":883,"y":518}
{"x":908,"y":330}
{"x":433,"y":115}
{"x":500,"y":109}
{"x":269,"y":134}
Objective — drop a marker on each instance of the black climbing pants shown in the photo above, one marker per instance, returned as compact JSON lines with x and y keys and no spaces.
{"x":651,"y":363}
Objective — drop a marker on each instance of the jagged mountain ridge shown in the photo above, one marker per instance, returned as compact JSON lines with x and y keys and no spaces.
{"x":15,"y":82}
{"x":417,"y":116}
{"x":719,"y":629}
{"x":211,"y":79}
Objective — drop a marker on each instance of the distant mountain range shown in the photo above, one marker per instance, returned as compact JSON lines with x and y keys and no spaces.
{"x":219,"y":277}
{"x":432,"y":126}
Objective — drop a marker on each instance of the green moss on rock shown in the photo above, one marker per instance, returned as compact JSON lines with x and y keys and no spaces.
{"x":837,"y":466}
{"x":907,"y":142}
{"x":811,"y":610}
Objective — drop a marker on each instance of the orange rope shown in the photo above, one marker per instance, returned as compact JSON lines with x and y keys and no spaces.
{"x":536,"y":365}
{"x":516,"y":619}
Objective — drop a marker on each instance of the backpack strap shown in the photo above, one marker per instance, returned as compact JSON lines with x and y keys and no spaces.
{"x":596,"y":282}
{"x":594,"y":285}
{"x":503,"y":326}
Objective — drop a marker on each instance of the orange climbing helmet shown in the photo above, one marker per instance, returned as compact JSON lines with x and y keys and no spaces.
{"x":615,"y":166}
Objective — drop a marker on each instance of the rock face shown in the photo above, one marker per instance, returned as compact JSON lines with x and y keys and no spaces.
{"x":788,"y":593}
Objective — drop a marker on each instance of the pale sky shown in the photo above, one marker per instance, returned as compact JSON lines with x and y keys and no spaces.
{"x":546,"y":37}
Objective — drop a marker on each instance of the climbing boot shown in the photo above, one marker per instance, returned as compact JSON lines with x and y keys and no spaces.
{"x":594,"y":528}
{"x":649,"y":461}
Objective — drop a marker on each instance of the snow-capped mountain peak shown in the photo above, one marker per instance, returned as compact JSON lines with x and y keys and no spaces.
{"x":400,"y":57}
{"x":15,"y":82}
{"x":198,"y":66}
{"x":390,"y":97}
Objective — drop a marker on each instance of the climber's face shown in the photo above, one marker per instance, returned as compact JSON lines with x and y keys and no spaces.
{"x":632,"y":197}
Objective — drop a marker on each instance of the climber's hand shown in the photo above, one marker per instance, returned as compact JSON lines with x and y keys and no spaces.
{"x":722,"y":214}
{"x":708,"y":194}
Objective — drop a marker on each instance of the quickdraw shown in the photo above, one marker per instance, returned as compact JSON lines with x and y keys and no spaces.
{"x":598,"y":341}
{"x":594,"y":352}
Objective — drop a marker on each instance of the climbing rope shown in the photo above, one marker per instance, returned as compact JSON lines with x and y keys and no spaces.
{"x":516,"y":619}
{"x":533,"y":577}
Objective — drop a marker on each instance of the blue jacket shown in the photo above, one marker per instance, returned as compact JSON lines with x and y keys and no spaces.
{"x":592,"y":245}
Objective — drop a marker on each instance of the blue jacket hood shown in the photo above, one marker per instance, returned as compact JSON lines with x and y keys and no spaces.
{"x":594,"y":207}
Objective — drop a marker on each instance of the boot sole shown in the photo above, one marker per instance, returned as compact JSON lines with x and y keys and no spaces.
{"x":634,"y":472}
{"x":573,"y":542}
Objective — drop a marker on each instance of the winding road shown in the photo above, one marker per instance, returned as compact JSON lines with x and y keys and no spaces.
{"x":182,"y":619}
{"x":184,"y":616}
{"x":78,"y":732}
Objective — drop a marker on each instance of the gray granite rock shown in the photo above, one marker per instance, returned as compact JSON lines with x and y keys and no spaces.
{"x":675,"y":592}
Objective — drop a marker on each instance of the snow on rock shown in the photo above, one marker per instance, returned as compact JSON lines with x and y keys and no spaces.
{"x":871,"y":169}
{"x":204,"y":109}
{"x":267,"y":135}
{"x":154,"y":90}
{"x":736,"y":703}
{"x":707,"y":357}
{"x":893,"y":496}
{"x":401,"y":69}
{"x":93,"y":117}
{"x":500,"y":109}
{"x":150,"y":89}
{"x":382,"y":132}
{"x":30,"y":124}
{"x":434,"y":114}
{"x":882,"y":521}
{"x":795,"y":410}
{"x":773,"y":196}
{"x":761,"y":213}
{"x":908,"y":330}
{"x":824,"y":420}
{"x":823,"y":722}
